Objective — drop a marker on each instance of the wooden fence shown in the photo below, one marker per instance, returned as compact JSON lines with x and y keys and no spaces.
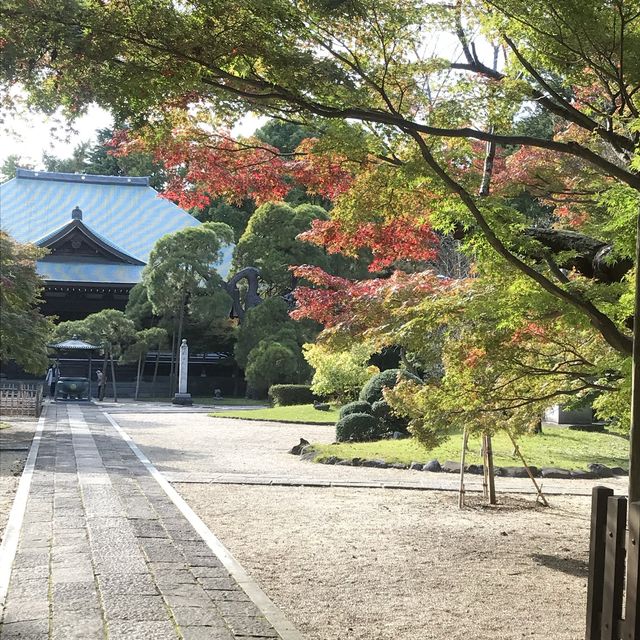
{"x":21,"y":400}
{"x":613,"y":605}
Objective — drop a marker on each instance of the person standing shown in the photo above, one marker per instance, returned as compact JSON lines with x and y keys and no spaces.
{"x":100,"y":378}
{"x":53,"y":374}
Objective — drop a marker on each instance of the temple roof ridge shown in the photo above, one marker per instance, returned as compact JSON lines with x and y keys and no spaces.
{"x":85,"y":178}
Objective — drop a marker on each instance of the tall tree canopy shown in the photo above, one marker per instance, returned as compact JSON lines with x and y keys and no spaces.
{"x":418,"y":137}
{"x":24,"y":331}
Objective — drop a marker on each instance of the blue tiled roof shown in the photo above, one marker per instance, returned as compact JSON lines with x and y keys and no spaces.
{"x":125,"y":212}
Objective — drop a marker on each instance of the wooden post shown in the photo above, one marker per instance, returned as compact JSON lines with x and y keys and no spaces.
{"x":634,"y":433}
{"x":488,"y":463}
{"x":113,"y":378}
{"x":595,"y":587}
{"x":135,"y":395}
{"x":632,"y":607}
{"x":614,"y":561}
{"x":155,"y":373}
{"x":517,"y":451}
{"x":465,"y":438}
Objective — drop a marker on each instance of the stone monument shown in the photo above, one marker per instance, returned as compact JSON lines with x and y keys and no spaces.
{"x":183,"y":397}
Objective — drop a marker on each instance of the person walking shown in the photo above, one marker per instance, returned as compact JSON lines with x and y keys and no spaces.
{"x":100,"y":378}
{"x":53,"y":374}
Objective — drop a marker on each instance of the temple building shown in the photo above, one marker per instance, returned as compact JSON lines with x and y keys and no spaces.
{"x":99,"y":231}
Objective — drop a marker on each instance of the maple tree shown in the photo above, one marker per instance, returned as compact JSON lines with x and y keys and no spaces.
{"x":403,"y":112}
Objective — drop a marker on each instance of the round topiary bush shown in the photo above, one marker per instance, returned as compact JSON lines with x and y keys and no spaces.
{"x":359,"y":406}
{"x":372,"y":391}
{"x":358,"y":427}
{"x":389,"y":421}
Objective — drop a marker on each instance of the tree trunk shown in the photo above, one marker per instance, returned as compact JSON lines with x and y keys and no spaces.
{"x":465,"y":440}
{"x":135,"y":395}
{"x":103,"y":387}
{"x":155,"y":373}
{"x":113,"y":378}
{"x":488,"y":463}
{"x":634,"y":434}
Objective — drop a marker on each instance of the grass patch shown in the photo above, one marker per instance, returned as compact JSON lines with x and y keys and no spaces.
{"x":208,"y":400}
{"x":563,"y":448}
{"x":303,"y":413}
{"x":5,"y":425}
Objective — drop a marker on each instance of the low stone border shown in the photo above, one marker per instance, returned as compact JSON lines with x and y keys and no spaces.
{"x":593,"y":471}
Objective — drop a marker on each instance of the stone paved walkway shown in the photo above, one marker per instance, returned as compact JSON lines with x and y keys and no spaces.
{"x":105,"y":554}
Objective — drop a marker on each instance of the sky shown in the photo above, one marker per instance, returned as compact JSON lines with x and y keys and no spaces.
{"x":29,"y":135}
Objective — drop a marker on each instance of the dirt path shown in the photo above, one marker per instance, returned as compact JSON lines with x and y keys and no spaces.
{"x":394,"y":565}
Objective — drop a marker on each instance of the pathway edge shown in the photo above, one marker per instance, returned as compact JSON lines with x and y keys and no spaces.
{"x":285,"y":629}
{"x":9,"y":545}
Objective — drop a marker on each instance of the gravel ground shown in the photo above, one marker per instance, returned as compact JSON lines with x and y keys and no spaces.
{"x":14,"y":443}
{"x":201,"y":446}
{"x":392,"y":565}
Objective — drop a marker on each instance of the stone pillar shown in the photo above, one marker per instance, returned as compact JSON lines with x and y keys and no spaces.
{"x":183,"y":397}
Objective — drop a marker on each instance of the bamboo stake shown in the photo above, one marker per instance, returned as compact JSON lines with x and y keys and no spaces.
{"x":488,"y":450}
{"x":465,"y":438}
{"x":540,"y":495}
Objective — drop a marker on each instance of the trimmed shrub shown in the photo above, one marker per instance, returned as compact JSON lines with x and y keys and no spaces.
{"x":284,"y":395}
{"x":372,"y":391}
{"x":389,"y":421}
{"x":359,"y":406}
{"x":358,"y":427}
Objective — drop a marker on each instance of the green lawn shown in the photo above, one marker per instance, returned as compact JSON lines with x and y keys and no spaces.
{"x":208,"y":400}
{"x":5,"y":425}
{"x":562,"y":448}
{"x":297,"y":413}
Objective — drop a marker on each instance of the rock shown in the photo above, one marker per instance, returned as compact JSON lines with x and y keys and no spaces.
{"x":309,"y":455}
{"x":517,"y":472}
{"x":451,"y":467}
{"x":306,"y":449}
{"x":416,"y":466}
{"x":378,"y":464}
{"x":552,"y":472}
{"x":619,"y":471}
{"x":600,"y":470}
{"x":580,"y":474}
{"x":297,"y":449}
{"x":432,"y":465}
{"x":399,"y":435}
{"x":331,"y":460}
{"x":397,"y":465}
{"x":356,"y":462}
{"x":475,"y":469}
{"x":345,"y":463}
{"x":321,"y":406}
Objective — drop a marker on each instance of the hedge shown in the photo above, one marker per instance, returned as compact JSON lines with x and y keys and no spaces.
{"x":358,"y":427}
{"x":359,"y":406}
{"x":283,"y":395}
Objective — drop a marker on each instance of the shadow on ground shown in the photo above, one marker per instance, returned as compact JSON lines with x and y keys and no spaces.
{"x":571,"y":566}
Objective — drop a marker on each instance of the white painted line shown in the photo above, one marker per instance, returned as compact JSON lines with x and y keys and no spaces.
{"x":9,"y":545}
{"x":271,"y":612}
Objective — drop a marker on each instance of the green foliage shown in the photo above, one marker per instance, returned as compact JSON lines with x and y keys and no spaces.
{"x":389,"y":420}
{"x":270,"y":322}
{"x":357,"y":427}
{"x":289,"y":394}
{"x":180,"y":269}
{"x":154,"y":338}
{"x":372,"y":390}
{"x":270,"y":243}
{"x":24,"y":331}
{"x":284,"y":136}
{"x":109,"y":329}
{"x":236,"y":217}
{"x":271,"y":363}
{"x":139,"y":308}
{"x":339,"y":374}
{"x":359,"y":406}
